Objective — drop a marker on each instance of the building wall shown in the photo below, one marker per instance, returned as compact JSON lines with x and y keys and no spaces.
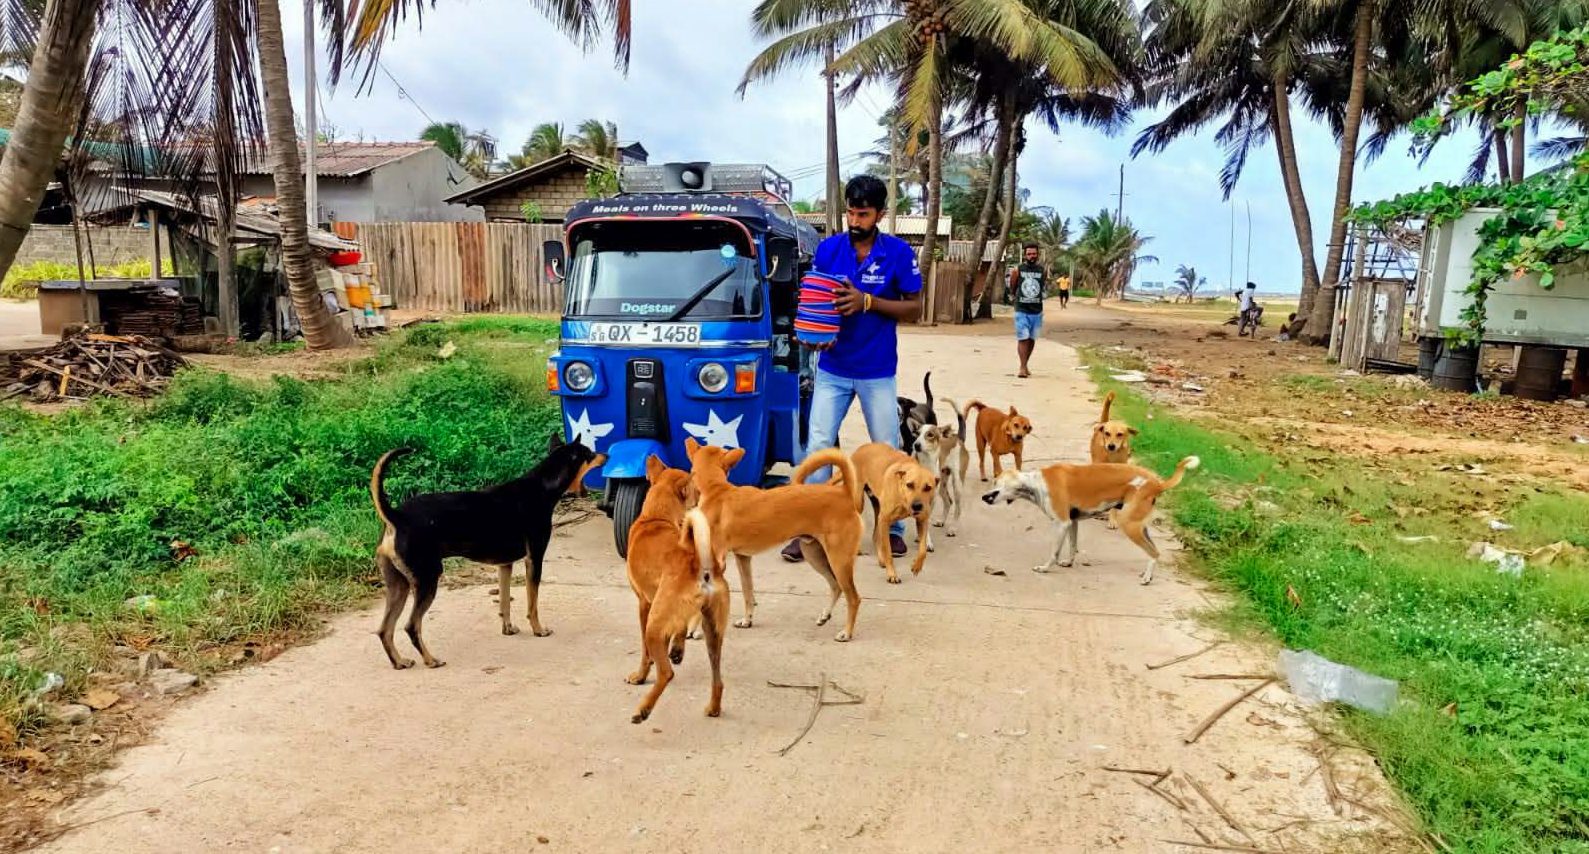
{"x":111,"y":245}
{"x":413,"y":190}
{"x":555,"y":195}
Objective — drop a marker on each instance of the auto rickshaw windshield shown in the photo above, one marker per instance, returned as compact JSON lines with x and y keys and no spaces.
{"x":651,"y":269}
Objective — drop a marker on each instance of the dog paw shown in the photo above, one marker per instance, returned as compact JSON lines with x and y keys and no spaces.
{"x":951,"y":532}
{"x":937,"y":524}
{"x":635,"y":679}
{"x":931,"y":547}
{"x":697,"y":634}
{"x":742,"y":623}
{"x":842,"y":637}
{"x":1068,"y":563}
{"x":402,"y":664}
{"x":1043,"y":568}
{"x":640,"y":716}
{"x":510,"y":629}
{"x":1146,"y":580}
{"x":893,"y":579}
{"x":435,"y":663}
{"x":543,"y":633}
{"x":823,"y":620}
{"x":676,"y":656}
{"x":714,"y":711}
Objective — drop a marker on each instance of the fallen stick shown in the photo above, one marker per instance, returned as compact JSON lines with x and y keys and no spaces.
{"x":820,"y":692}
{"x":1187,"y":657}
{"x":1332,"y":792}
{"x":1158,"y":776}
{"x":1215,"y":846}
{"x":1218,"y":807}
{"x":816,"y":709}
{"x":1197,"y":732}
{"x":1232,"y":676}
{"x":1169,"y":798}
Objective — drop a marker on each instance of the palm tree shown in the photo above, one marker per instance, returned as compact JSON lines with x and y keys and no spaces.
{"x":1187,"y":282}
{"x":1108,"y":252}
{"x":598,"y":139}
{"x":907,"y":44}
{"x":1052,"y":235}
{"x":474,"y":149}
{"x":547,"y":140}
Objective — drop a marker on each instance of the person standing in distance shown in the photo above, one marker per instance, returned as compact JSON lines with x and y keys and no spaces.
{"x":1029,"y":282}
{"x":882,"y":290}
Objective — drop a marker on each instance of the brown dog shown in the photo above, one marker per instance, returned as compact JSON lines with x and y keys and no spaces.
{"x":1069,"y":493}
{"x":677,"y":582}
{"x":1111,"y":440}
{"x":745,"y":521}
{"x":1003,"y":432}
{"x":899,"y":488}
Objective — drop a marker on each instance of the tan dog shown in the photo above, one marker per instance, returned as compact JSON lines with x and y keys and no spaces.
{"x":939,"y":448}
{"x":1111,"y":440}
{"x":899,"y":488}
{"x":745,"y":521}
{"x":677,"y":582}
{"x":1003,"y":432}
{"x":1069,"y":493}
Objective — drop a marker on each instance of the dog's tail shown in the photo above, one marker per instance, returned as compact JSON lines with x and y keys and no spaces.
{"x":926,"y":386}
{"x":697,"y":534}
{"x":1108,"y":401}
{"x":383,"y":507}
{"x":959,"y":415}
{"x":831,"y":457}
{"x":1181,"y":468}
{"x":973,"y":404}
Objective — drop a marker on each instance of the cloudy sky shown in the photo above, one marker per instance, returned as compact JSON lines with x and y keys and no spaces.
{"x":496,"y":65}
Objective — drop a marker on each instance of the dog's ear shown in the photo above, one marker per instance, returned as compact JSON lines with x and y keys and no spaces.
{"x":654,"y":468}
{"x":1132,"y":430}
{"x":1102,"y":426}
{"x":900,"y":472}
{"x":690,"y":447}
{"x":556,"y":440}
{"x":1013,"y":413}
{"x":732,"y":458}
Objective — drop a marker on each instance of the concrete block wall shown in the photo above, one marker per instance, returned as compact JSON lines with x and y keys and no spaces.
{"x":112,"y":245}
{"x":555,"y":197}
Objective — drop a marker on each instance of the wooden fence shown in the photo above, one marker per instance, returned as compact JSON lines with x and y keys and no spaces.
{"x":462,"y":266}
{"x":950,"y":279}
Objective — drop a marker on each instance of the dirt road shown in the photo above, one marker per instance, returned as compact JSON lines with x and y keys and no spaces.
{"x":991,"y":704}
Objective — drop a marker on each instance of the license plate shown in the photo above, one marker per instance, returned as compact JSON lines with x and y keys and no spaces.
{"x":645,"y":333}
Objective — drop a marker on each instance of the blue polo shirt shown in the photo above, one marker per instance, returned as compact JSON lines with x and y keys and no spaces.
{"x":867,"y":346}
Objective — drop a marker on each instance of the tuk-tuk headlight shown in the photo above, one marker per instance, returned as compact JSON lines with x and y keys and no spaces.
{"x":579,"y":376}
{"x":713,"y":377}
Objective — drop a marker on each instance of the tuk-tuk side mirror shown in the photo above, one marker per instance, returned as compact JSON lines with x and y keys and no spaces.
{"x":552,"y":251}
{"x":783,"y":261}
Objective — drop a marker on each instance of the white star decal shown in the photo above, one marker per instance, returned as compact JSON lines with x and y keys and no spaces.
{"x":715,"y":432}
{"x":585,"y":432}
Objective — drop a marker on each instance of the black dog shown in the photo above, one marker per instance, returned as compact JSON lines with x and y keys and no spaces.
{"x":499,"y":525}
{"x":913,"y":416}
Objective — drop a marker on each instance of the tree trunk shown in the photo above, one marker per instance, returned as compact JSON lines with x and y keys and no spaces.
{"x":1001,"y":153}
{"x":320,"y":329}
{"x":226,"y":178}
{"x":50,"y":103}
{"x":893,"y":174}
{"x":1301,"y":218}
{"x":1519,"y":140}
{"x":929,"y":244}
{"x":994,"y":289}
{"x":835,"y":204}
{"x":1322,"y":319}
{"x":1503,"y":160}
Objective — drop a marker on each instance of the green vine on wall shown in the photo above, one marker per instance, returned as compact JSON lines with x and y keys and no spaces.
{"x":601,"y":183}
{"x":1543,"y":222}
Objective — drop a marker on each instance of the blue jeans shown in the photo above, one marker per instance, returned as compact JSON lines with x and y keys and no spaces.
{"x":831,"y":396}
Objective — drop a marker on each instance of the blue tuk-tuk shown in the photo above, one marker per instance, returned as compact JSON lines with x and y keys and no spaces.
{"x":679,"y":323}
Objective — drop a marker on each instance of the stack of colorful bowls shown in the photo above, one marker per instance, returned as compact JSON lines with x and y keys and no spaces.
{"x":816,"y":319}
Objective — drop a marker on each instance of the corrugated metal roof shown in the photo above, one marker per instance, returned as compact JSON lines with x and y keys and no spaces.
{"x":906,"y":225}
{"x":347,"y":159}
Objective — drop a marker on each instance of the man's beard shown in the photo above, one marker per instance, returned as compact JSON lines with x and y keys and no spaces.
{"x":862,"y":234}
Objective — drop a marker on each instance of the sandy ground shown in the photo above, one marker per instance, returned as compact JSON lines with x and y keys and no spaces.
{"x":991,"y":705}
{"x":19,"y":326}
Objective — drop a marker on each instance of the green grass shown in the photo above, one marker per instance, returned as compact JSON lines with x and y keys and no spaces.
{"x":22,"y":280}
{"x":267,"y":480}
{"x":1510,"y":770}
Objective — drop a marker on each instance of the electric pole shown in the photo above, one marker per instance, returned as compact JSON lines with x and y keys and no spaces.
{"x":1120,"y":201}
{"x":833,"y":143}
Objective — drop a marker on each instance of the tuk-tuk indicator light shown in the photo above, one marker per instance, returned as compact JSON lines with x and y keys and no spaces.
{"x":579,"y":376}
{"x":745,"y":378}
{"x":551,"y":376}
{"x":713,"y":377}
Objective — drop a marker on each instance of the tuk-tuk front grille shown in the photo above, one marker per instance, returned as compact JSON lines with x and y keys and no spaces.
{"x":646,"y":400}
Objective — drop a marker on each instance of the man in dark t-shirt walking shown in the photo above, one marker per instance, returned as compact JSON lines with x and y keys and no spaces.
{"x":1029,"y":283}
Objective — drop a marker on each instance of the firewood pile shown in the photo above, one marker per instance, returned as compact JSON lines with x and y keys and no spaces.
{"x":89,"y":364}
{"x":161,"y":312}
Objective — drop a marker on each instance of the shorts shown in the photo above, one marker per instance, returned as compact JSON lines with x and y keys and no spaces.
{"x":1027,"y":326}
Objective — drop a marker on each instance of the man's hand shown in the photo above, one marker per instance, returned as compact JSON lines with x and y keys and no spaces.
{"x":848,"y":300}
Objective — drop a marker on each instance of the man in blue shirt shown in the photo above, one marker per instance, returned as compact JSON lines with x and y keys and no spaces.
{"x":884,"y":290}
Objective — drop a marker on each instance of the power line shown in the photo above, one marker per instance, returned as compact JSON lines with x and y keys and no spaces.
{"x":403,"y":93}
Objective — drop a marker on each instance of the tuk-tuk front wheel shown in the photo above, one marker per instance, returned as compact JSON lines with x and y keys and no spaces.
{"x":628,"y":495}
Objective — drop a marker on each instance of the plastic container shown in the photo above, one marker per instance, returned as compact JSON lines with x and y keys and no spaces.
{"x":1317,"y":679}
{"x":344,"y":259}
{"x":816,"y":317}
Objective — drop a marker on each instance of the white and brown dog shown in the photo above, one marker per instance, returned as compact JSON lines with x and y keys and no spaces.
{"x":942,"y":449}
{"x":1069,"y":493}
